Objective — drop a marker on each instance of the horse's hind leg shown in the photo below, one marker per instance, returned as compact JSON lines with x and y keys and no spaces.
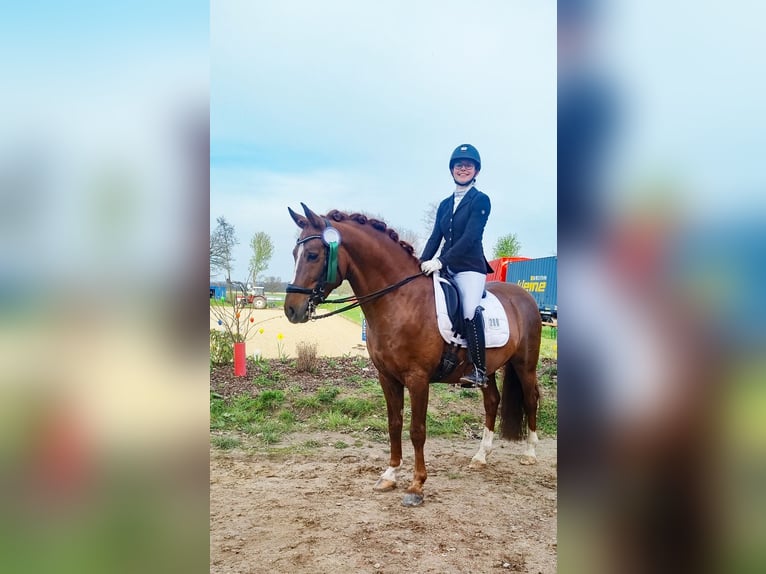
{"x":394,"y":392}
{"x":491,"y":401}
{"x":528,"y":378}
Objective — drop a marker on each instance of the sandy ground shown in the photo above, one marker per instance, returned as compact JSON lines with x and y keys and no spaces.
{"x":313,"y":510}
{"x":335,"y":336}
{"x":316,"y":511}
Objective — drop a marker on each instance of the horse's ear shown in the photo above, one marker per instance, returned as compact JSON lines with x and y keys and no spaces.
{"x":313,"y":218}
{"x":299,"y":220}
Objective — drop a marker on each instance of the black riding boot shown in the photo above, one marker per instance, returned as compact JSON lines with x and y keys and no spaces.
{"x":476,"y":352}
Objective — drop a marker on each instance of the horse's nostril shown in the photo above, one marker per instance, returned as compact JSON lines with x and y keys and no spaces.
{"x":292,"y":314}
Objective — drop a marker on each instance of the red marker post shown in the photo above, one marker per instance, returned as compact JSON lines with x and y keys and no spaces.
{"x":240,"y":364}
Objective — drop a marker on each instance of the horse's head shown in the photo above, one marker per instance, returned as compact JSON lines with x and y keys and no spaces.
{"x":316,"y":265}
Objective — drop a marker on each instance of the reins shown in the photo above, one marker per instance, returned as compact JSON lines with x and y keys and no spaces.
{"x":357,"y":301}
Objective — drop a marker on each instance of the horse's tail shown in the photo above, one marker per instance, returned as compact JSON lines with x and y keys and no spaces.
{"x":512,"y":418}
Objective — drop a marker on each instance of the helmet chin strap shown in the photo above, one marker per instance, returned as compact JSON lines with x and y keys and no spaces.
{"x":465,"y":185}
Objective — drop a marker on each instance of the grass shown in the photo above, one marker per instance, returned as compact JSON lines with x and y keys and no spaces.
{"x":359,"y":410}
{"x":354,"y":314}
{"x":548,"y":348}
{"x":453,"y":424}
{"x":326,"y":395}
{"x":225,"y":442}
{"x":550,"y":332}
{"x":547,"y":377}
{"x":547,"y":416}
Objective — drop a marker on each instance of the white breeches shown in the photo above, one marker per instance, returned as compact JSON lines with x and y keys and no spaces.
{"x":471,"y":285}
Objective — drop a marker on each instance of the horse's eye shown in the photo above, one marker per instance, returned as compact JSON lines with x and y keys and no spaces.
{"x":312,"y":256}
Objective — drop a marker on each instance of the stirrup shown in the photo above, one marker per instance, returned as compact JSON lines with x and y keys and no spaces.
{"x":476,"y":379}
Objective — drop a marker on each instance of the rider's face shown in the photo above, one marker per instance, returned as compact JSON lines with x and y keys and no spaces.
{"x":463,"y":171}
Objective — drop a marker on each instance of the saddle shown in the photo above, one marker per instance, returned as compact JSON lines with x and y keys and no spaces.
{"x":452,"y":301}
{"x":452,"y":324}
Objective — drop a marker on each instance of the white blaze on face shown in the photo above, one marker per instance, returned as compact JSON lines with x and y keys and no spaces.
{"x":297,"y":260}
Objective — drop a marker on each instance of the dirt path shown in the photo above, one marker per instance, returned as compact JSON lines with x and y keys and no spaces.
{"x":314,"y":510}
{"x":335,"y":336}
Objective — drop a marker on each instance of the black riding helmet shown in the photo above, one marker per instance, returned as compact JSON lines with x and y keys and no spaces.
{"x":465,"y":151}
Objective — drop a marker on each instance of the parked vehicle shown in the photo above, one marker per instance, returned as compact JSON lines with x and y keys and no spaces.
{"x":500,"y":266}
{"x":539,"y":277}
{"x":255,"y":296}
{"x":244,"y":295}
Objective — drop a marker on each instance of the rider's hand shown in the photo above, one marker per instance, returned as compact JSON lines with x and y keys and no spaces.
{"x":431,"y":265}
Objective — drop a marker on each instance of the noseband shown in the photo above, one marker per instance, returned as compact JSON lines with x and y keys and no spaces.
{"x":331,"y":239}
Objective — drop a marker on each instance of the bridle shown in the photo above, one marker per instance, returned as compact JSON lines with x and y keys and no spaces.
{"x":330,"y":237}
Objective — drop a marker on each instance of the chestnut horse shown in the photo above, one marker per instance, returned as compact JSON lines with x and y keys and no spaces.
{"x":403,"y":338}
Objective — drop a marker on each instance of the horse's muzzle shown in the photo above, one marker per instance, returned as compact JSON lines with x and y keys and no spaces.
{"x":296,"y":312}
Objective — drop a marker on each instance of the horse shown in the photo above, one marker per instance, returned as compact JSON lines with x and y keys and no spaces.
{"x":403,"y":339}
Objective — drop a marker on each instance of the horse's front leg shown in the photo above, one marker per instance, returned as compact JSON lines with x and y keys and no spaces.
{"x":393,"y":390}
{"x":491,"y":401}
{"x":419,"y":402}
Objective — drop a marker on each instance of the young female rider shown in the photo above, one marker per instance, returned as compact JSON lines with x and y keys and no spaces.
{"x":460,"y":221}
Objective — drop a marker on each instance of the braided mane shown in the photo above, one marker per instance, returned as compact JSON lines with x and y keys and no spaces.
{"x":377,"y":224}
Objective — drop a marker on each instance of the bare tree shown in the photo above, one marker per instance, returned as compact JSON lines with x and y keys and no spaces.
{"x":429,"y":218}
{"x":263,"y":249}
{"x":222,"y":242}
{"x":273,"y":284}
{"x":404,"y":234}
{"x":412,"y":238}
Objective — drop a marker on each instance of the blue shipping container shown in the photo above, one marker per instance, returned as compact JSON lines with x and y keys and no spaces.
{"x":539,"y":277}
{"x":217,"y":292}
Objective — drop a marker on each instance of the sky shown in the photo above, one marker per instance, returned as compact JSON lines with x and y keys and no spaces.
{"x":358,"y":105}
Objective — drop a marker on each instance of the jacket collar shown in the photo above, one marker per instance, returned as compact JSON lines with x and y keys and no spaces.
{"x":469,"y":195}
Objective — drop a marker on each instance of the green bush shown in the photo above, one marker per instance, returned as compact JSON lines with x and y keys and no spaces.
{"x":221,"y":348}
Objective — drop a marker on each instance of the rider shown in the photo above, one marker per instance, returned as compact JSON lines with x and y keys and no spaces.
{"x":460,"y":221}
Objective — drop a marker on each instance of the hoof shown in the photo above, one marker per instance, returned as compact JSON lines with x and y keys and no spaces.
{"x":477,"y":464}
{"x":384,"y":485}
{"x":412,"y":499}
{"x":528,"y":459}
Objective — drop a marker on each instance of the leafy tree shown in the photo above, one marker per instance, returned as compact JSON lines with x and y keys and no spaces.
{"x":263,"y":249}
{"x":222,"y":242}
{"x":507,"y":246}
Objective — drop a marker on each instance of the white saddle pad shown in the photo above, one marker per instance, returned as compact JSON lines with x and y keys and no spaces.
{"x":496,"y":329}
